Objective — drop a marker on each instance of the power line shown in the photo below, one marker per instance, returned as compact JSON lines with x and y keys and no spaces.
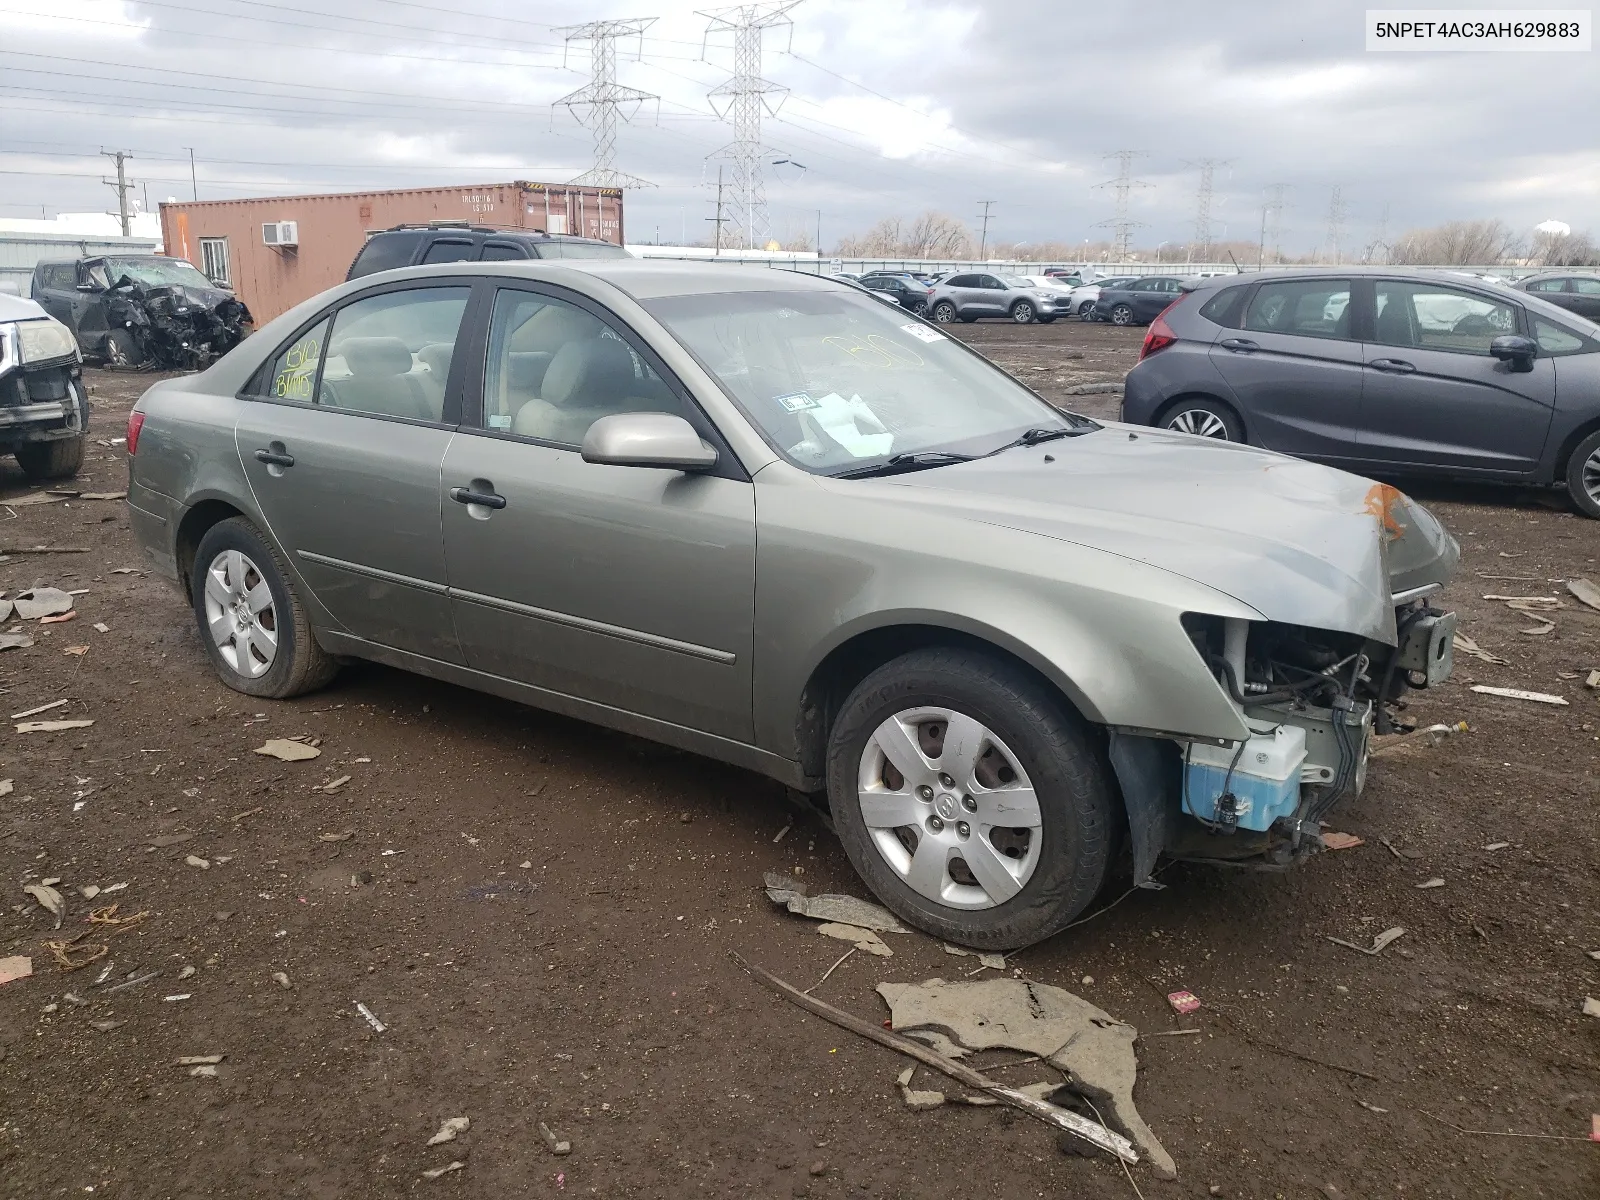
{"x":603,"y":96}
{"x":747,"y":95}
{"x":983,"y":238}
{"x":1122,"y":225}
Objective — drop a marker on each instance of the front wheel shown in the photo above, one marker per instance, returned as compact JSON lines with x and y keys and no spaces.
{"x":1086,"y":311}
{"x":1122,"y":315}
{"x":1022,"y":313}
{"x":973,"y":802}
{"x":944,"y":312}
{"x":254,"y":627}
{"x":1583,"y":476}
{"x":121,"y":351}
{"x":42,"y":461}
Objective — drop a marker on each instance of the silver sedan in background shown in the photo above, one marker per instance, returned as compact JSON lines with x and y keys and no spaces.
{"x":768,"y":519}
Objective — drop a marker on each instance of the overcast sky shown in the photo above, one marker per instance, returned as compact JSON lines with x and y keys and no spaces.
{"x":894,"y":107}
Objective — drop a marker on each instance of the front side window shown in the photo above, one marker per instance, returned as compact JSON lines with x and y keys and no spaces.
{"x":1586,"y":286}
{"x":1424,"y":316}
{"x":389,"y":355}
{"x":835,"y":380}
{"x":962,"y":281}
{"x":1303,"y":308}
{"x":1548,"y":285}
{"x":554,"y":369}
{"x":1553,"y":339}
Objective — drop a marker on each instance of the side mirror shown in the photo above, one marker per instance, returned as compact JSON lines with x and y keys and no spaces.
{"x":1514,"y":349}
{"x":647,"y":439}
{"x":88,"y":287}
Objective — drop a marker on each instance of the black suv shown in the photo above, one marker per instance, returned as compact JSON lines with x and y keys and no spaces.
{"x":443,"y":242}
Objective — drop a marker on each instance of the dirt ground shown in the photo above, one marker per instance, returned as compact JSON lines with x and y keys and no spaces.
{"x":540,"y":913}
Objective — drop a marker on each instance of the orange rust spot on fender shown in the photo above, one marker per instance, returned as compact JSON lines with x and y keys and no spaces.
{"x":1381,"y":502}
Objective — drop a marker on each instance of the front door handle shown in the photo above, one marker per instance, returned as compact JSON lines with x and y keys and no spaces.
{"x":486,"y":499}
{"x":1394,"y":366}
{"x":275,"y":458}
{"x":1242,"y":345}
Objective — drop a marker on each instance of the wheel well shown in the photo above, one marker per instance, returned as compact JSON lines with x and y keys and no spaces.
{"x":1564,"y":458}
{"x":194,"y":526}
{"x":837,"y":675}
{"x":1190,"y":397}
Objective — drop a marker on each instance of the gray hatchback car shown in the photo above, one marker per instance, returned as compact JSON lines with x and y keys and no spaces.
{"x":1419,"y":372}
{"x":766,"y":518}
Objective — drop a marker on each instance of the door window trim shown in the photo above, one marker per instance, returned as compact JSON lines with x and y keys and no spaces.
{"x":257,"y":388}
{"x":471,"y":410}
{"x":1519,"y":313}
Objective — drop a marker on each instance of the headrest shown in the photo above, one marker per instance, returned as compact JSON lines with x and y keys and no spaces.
{"x":552,"y":327}
{"x":589,"y":374}
{"x":437,"y":357}
{"x":375,"y":356}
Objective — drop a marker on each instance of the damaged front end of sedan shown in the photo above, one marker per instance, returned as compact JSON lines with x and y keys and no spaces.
{"x":172,"y":327}
{"x":1309,"y":699}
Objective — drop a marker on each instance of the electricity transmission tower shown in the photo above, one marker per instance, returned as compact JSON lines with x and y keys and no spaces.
{"x":1122,"y":225}
{"x":1276,"y":192}
{"x":1336,"y":215}
{"x":602,"y":96}
{"x":122,"y":187}
{"x":1202,"y":207}
{"x":744,"y":98}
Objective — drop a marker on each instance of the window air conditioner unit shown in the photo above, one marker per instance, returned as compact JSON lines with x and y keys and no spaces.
{"x":281,"y":233}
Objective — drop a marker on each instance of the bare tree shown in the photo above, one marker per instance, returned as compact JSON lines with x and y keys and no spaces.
{"x":1566,"y":250}
{"x":1457,"y":244}
{"x":932,"y":235}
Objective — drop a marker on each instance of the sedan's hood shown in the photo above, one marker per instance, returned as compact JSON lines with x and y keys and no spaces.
{"x":15,"y":308}
{"x":1299,"y":543}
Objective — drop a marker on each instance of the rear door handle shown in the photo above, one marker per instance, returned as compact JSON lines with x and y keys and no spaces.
{"x":1243,"y":345}
{"x":463,"y":495}
{"x":1394,"y":366}
{"x":274,"y":458}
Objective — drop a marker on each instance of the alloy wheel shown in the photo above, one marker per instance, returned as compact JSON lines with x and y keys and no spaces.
{"x":1591,"y":476}
{"x":944,"y":313}
{"x":241,"y":614}
{"x":1201,"y":422}
{"x":1122,"y":315}
{"x":1022,"y":314}
{"x":949,"y":807}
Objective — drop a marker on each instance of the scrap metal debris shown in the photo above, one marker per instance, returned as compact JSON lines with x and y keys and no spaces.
{"x":1519,"y":694}
{"x":1378,"y":943}
{"x":1064,"y":1030}
{"x":846,"y":910}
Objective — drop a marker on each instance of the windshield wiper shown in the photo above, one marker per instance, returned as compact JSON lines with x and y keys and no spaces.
{"x":1032,"y":437}
{"x":898,"y":464}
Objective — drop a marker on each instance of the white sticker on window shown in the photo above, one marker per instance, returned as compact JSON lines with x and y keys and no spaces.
{"x":923,"y":333}
{"x":795,"y":402}
{"x":499,"y":421}
{"x":853,"y":425}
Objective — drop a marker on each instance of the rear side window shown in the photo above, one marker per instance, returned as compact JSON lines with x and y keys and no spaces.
{"x":502,"y":252}
{"x":389,"y":355}
{"x":962,"y":281}
{"x":385,"y":252}
{"x":1548,"y":285}
{"x":586,"y":250}
{"x":1303,"y":308}
{"x":448,"y":251}
{"x":1224,"y":308}
{"x":1586,"y":287}
{"x":293,"y":374}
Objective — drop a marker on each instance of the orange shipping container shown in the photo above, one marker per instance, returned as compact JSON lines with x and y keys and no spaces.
{"x":225,"y":239}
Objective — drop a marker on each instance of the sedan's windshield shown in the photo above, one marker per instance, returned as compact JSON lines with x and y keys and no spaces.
{"x":155,"y":272}
{"x":835,"y":381}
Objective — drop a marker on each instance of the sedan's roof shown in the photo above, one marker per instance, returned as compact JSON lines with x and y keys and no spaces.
{"x":646,"y":279}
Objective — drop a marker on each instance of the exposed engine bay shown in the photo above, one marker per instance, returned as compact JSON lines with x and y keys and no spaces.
{"x":1311,"y":700}
{"x":171,"y":329}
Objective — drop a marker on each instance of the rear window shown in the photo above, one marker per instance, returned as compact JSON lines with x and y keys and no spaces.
{"x":385,"y":252}
{"x":503,"y":252}
{"x":1224,"y":307}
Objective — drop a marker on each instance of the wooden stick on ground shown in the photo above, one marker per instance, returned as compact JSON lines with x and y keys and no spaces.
{"x":1061,"y":1118}
{"x":46,"y":550}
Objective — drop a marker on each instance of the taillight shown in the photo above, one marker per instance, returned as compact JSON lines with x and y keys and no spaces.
{"x":1159,"y":336}
{"x":135,"y":424}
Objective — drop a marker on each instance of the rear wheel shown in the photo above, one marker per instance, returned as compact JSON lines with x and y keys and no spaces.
{"x":1122,"y":315}
{"x":1583,"y":476}
{"x":944,"y":312}
{"x":1203,"y":418}
{"x":971,"y":800}
{"x":1023,"y":313}
{"x":253,"y":625}
{"x":60,"y":459}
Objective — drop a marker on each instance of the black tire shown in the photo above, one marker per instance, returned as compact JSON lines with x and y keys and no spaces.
{"x":121,"y":351}
{"x":1023,"y":312}
{"x":966,"y":320}
{"x":42,"y":461}
{"x":1122,"y":314}
{"x":944,"y":312}
{"x":1199,"y":416}
{"x":1086,"y":311}
{"x":1047,"y":320}
{"x":299,"y":664}
{"x":1583,"y":476}
{"x":1052,"y":744}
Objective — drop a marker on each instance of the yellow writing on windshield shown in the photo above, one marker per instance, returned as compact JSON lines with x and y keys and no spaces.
{"x":875,"y":350}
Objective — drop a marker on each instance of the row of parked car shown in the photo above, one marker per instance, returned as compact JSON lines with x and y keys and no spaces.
{"x":1025,"y":299}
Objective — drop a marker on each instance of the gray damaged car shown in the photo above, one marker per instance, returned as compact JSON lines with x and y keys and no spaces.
{"x":44,"y":409}
{"x":772,"y":521}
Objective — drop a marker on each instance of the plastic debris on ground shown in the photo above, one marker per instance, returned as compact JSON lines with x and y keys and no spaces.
{"x":42,"y":602}
{"x":370,"y":1017}
{"x":1379,"y":943}
{"x":444,"y":1170}
{"x":58,"y":726}
{"x":282,"y":980}
{"x":1066,"y":1031}
{"x":288,"y":751}
{"x":49,"y":899}
{"x":861,"y":939}
{"x":556,"y":1146}
{"x":1183,"y":1002}
{"x":1586,"y":592}
{"x":1519,"y":694}
{"x":452,"y":1128}
{"x":1465,"y":645}
{"x":994,"y":962}
{"x":18,"y":966}
{"x":1333,"y":840}
{"x":1435,"y":882}
{"x":1591,"y":1007}
{"x":846,"y":910}
{"x":915,"y":1100}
